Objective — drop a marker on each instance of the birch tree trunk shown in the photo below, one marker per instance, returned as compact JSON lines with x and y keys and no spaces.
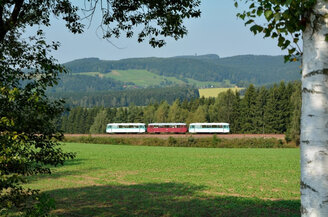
{"x":314,"y":119}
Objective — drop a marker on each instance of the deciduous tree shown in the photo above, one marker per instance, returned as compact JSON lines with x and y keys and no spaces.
{"x":290,"y":21}
{"x":100,"y":122}
{"x":27,"y":129}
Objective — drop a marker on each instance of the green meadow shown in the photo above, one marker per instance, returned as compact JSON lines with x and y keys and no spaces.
{"x":122,"y":180}
{"x":144,"y":78}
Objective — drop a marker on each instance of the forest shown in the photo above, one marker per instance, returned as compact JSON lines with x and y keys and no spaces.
{"x":124,"y":98}
{"x":273,"y":109}
{"x":239,"y":70}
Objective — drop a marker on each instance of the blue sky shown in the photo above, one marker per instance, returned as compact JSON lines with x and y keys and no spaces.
{"x":218,"y":31}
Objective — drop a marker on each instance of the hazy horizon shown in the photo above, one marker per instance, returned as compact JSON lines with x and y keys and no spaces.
{"x":218,"y":31}
{"x":173,"y":57}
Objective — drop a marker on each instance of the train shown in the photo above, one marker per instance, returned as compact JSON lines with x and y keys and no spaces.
{"x":180,"y":128}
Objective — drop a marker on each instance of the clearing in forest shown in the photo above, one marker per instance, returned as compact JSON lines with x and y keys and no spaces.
{"x":213,"y":92}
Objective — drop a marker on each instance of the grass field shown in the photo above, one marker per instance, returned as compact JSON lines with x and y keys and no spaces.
{"x":118,"y":180}
{"x":213,"y":92}
{"x":144,"y":78}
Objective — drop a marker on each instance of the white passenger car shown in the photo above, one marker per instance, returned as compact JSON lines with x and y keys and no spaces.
{"x":209,"y":128}
{"x":126,"y":128}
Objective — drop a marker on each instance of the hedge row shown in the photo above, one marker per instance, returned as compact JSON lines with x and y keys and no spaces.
{"x":211,"y":142}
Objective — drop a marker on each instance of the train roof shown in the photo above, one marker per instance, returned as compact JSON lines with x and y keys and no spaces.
{"x":126,"y":124}
{"x":209,"y":124}
{"x":173,"y":124}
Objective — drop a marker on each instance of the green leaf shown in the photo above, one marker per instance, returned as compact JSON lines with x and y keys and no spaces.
{"x":291,"y":51}
{"x":249,"y":22}
{"x":281,"y":41}
{"x":287,"y":58}
{"x":274,"y":35}
{"x":256,"y":29}
{"x":277,"y":17}
{"x":268,"y":14}
{"x":259,"y":12}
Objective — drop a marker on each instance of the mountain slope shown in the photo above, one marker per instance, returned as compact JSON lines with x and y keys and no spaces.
{"x":243,"y":69}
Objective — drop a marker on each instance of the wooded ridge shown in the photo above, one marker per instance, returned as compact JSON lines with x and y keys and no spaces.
{"x":237,"y":70}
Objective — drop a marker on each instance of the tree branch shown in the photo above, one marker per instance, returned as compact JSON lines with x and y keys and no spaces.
{"x":12,"y":21}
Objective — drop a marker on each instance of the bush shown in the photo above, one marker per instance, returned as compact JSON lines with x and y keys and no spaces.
{"x":190,"y":141}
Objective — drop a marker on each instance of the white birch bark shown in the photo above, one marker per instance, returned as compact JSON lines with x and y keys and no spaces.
{"x":314,"y":119}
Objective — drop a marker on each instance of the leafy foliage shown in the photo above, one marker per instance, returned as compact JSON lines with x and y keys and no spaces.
{"x":285,"y":21}
{"x":154,"y":18}
{"x":28,"y":133}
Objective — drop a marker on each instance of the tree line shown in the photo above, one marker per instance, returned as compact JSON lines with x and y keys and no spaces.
{"x":273,"y":109}
{"x":124,"y":98}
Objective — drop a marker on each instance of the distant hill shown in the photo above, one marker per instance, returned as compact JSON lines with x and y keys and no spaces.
{"x":203,"y":70}
{"x":95,"y":82}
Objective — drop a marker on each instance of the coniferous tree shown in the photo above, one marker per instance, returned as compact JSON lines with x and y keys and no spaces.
{"x":64,"y":122}
{"x":185,"y":104}
{"x":213,"y":112}
{"x":225,"y":104}
{"x":248,"y":109}
{"x":121,"y":116}
{"x":277,"y":109}
{"x":290,"y":89}
{"x":72,"y":119}
{"x":235,"y":124}
{"x":111,"y":114}
{"x":270,"y":115}
{"x":133,"y":114}
{"x":282,"y":107}
{"x":82,"y":119}
{"x":261,"y":99}
{"x":293,"y":131}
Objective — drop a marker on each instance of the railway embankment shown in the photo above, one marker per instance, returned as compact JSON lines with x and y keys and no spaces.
{"x":166,"y":136}
{"x":185,"y":140}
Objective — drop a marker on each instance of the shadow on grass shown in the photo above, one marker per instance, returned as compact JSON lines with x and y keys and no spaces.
{"x":163,"y":199}
{"x":57,"y":173}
